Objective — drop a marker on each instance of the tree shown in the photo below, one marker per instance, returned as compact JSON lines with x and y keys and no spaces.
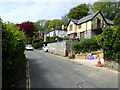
{"x":79,"y":11}
{"x":47,"y":23}
{"x":117,"y":19}
{"x":109,"y":41}
{"x":53,"y":24}
{"x":109,"y":9}
{"x":28,"y":28}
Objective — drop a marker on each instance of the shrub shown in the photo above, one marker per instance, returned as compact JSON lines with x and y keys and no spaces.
{"x":109,"y":40}
{"x":52,"y":39}
{"x":86,"y":45}
{"x":13,"y":59}
{"x":37,"y":40}
{"x":37,"y":45}
{"x":65,"y":38}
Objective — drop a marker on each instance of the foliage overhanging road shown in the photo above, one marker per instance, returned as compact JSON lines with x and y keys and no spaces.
{"x":50,"y":71}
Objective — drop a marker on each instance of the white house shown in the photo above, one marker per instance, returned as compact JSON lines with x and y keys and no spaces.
{"x":59,"y":31}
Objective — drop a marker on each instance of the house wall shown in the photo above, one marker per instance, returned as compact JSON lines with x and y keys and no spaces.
{"x":62,"y":33}
{"x":74,"y":29}
{"x":88,"y":34}
{"x":84,"y":26}
{"x":51,"y":33}
{"x":48,"y":34}
{"x":94,"y":21}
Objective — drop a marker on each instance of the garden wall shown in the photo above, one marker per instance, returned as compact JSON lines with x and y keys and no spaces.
{"x":60,"y":48}
{"x":112,"y":64}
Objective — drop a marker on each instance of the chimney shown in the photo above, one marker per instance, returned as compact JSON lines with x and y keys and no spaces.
{"x":62,"y":27}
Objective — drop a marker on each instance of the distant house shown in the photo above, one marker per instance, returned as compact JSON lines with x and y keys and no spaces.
{"x":40,"y":33}
{"x":42,"y":22}
{"x":57,"y":32}
{"x":88,"y":26}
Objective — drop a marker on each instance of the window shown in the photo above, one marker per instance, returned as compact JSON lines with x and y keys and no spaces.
{"x":81,"y":35}
{"x":71,"y":27}
{"x":79,"y":26}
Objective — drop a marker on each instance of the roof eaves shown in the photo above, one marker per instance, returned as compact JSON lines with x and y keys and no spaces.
{"x":109,"y":22}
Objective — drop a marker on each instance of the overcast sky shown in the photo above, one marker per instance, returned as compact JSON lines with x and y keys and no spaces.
{"x":18,"y":11}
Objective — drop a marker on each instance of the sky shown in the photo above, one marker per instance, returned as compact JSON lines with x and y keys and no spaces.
{"x":18,"y":11}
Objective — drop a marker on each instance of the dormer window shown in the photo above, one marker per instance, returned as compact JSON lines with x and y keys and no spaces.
{"x":71,"y":27}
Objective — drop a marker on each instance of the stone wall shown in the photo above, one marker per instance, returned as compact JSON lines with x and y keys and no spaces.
{"x":58,"y":48}
{"x":112,"y":64}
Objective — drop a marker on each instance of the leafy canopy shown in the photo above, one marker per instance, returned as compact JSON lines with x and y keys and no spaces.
{"x":53,"y":24}
{"x":79,"y":11}
{"x":109,"y":9}
{"x":28,"y":28}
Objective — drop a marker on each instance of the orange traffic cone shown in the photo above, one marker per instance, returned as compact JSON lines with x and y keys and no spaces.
{"x":99,"y":64}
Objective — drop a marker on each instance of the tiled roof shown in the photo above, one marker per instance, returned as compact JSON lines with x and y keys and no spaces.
{"x":90,"y":17}
{"x":43,"y":31}
{"x":108,"y":21}
{"x":74,"y":21}
{"x":87,"y":18}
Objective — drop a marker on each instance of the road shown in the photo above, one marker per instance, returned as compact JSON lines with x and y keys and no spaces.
{"x":51,"y":71}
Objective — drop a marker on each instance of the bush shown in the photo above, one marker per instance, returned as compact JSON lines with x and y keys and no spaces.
{"x":85,"y":45}
{"x":52,"y":39}
{"x":65,"y":38}
{"x":13,"y":59}
{"x":109,"y":40}
{"x":37,"y":40}
{"x":37,"y":45}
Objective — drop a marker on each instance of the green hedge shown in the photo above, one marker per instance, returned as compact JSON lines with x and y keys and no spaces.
{"x":13,"y":59}
{"x":109,"y":40}
{"x":37,"y":40}
{"x":37,"y":45}
{"x":85,"y":45}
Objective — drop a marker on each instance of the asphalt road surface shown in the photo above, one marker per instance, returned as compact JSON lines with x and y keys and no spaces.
{"x":51,"y":71}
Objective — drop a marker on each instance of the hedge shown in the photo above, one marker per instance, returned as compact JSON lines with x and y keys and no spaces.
{"x":85,"y":45}
{"x":109,"y":40}
{"x":13,"y":59}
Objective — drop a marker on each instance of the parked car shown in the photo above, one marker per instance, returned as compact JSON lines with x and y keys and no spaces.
{"x":45,"y":47}
{"x":29,"y":47}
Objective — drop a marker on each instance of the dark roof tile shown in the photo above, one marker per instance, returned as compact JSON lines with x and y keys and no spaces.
{"x":87,"y":18}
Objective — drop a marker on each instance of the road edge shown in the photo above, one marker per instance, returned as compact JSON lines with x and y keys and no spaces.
{"x":27,"y":73}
